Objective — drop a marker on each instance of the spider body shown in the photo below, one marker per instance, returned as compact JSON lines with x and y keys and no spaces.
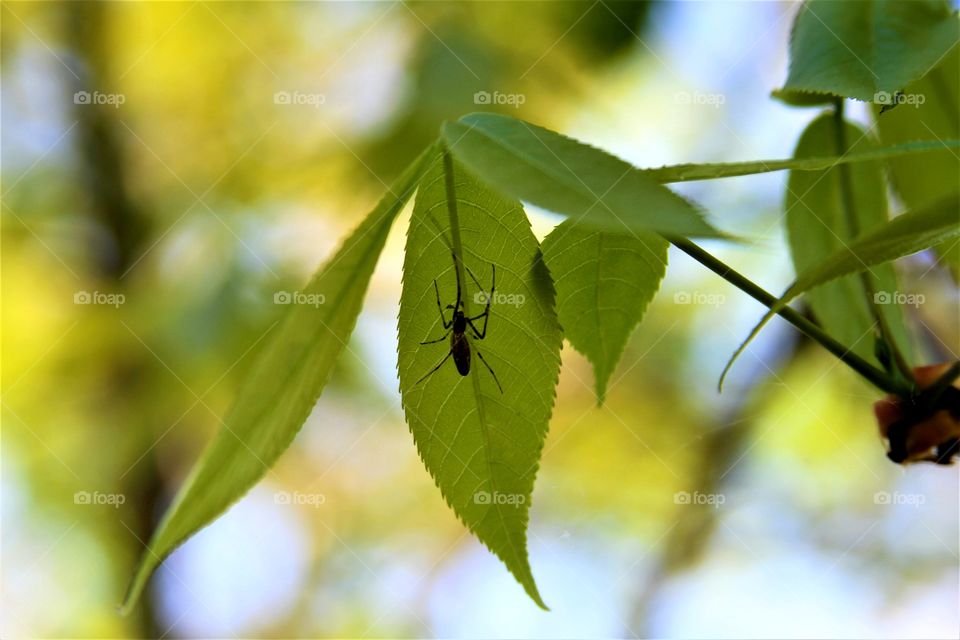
{"x":461,"y":325}
{"x":459,"y":345}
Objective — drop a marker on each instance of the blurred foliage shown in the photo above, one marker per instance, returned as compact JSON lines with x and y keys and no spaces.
{"x":200,"y":197}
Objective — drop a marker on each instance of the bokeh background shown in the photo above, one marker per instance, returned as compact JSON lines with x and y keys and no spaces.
{"x":148,"y":227}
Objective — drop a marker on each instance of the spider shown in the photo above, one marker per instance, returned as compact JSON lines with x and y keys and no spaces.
{"x":457,"y":328}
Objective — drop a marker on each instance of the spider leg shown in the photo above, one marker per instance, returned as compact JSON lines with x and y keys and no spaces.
{"x":476,"y":332}
{"x":456,"y":273}
{"x":446,"y":325}
{"x":486,"y":312}
{"x":440,"y":339}
{"x":490,"y":369}
{"x":434,"y":370}
{"x":475,"y":281}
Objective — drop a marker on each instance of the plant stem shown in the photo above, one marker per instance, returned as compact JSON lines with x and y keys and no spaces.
{"x":878,"y":378}
{"x":449,"y":183}
{"x":853,"y":225}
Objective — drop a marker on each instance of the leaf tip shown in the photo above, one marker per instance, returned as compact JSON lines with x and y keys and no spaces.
{"x":530,"y":586}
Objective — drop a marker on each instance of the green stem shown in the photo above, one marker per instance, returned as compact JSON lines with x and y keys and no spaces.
{"x":853,"y":225}
{"x":877,"y":377}
{"x":454,"y":215}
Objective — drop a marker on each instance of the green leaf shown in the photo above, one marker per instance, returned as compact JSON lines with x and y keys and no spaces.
{"x":818,"y":224}
{"x":481,"y":446}
{"x":904,"y":150}
{"x":870,"y":49}
{"x":930,"y":111}
{"x":905,"y":234}
{"x":802,"y":98}
{"x":604,"y":283}
{"x":282,"y":386}
{"x":560,"y":174}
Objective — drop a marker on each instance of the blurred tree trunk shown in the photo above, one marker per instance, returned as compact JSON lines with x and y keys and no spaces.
{"x":720,"y":451}
{"x":123,"y":230}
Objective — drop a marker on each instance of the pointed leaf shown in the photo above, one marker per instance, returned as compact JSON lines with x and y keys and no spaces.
{"x":481,"y":446}
{"x":870,"y":49}
{"x":817,"y":225}
{"x":711,"y":171}
{"x":281,"y":387}
{"x":905,"y":234}
{"x":604,"y":283}
{"x":560,"y":174}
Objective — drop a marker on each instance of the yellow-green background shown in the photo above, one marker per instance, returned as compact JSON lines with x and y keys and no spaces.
{"x":199,"y":198}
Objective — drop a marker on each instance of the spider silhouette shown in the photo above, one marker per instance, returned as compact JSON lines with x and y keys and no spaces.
{"x":457,"y":327}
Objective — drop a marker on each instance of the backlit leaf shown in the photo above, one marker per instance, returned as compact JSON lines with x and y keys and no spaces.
{"x":482,"y":446}
{"x":604,"y":283}
{"x":869,"y":49}
{"x":905,"y":151}
{"x":905,"y":234}
{"x":930,"y":111}
{"x":571,"y":178}
{"x":281,"y":386}
{"x":817,"y":225}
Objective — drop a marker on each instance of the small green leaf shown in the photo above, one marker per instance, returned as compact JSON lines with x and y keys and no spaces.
{"x":930,"y":110}
{"x":868,"y":50}
{"x":560,"y":174}
{"x":818,"y":224}
{"x":482,"y":446}
{"x":604,"y":283}
{"x":905,"y":150}
{"x":281,"y":387}
{"x":905,"y":234}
